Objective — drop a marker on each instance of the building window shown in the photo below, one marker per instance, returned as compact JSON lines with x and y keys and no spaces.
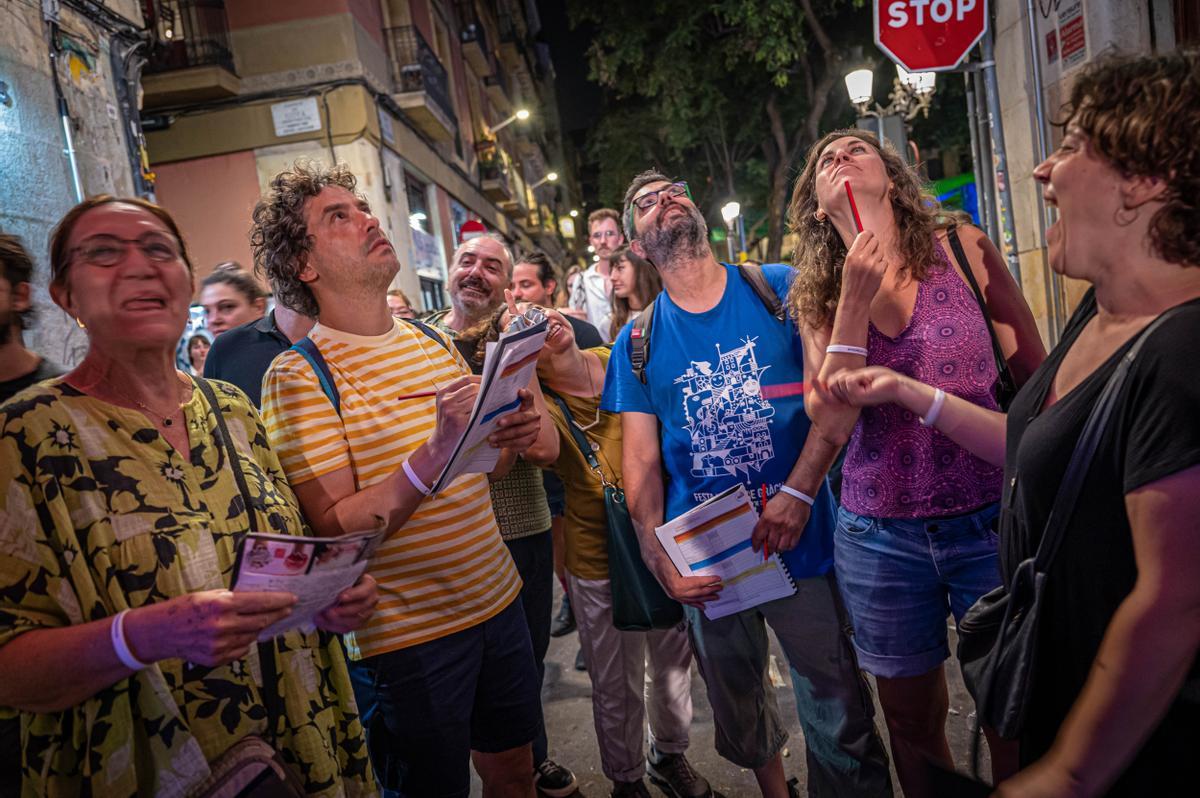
{"x":432,"y":296}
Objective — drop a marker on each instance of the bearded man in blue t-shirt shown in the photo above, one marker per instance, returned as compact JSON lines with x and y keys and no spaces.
{"x":722,"y":402}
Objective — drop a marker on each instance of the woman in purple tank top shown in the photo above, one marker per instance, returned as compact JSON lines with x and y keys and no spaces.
{"x":914,"y":540}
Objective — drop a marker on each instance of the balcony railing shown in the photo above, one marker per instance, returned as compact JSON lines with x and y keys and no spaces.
{"x":473,"y":37}
{"x":415,"y":68}
{"x":189,"y":33}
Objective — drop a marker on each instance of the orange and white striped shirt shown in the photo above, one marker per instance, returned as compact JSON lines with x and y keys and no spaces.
{"x":446,"y":569}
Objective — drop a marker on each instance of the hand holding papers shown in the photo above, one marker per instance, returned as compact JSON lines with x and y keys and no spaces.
{"x":508,"y":366}
{"x":713,"y":539}
{"x":314,"y":570}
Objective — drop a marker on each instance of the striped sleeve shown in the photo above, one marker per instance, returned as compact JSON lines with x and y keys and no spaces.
{"x":302,"y":425}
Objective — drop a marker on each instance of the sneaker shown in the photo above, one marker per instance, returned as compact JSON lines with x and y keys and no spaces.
{"x":553,"y":779}
{"x":629,"y":789}
{"x":564,"y":622}
{"x":580,"y":662}
{"x":673,"y":774}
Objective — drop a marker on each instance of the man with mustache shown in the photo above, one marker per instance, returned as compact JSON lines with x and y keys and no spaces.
{"x":480,"y":270}
{"x":721,"y":402}
{"x":443,"y":672}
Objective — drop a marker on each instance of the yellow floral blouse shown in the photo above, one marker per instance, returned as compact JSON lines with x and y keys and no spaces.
{"x":98,"y":513}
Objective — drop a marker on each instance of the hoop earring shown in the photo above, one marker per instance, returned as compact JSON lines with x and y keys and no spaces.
{"x":82,"y":326}
{"x":1125,"y":216}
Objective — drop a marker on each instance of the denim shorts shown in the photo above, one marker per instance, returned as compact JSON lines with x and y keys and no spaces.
{"x":901,"y":577}
{"x":426,"y":707}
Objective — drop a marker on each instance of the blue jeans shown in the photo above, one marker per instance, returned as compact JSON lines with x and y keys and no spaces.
{"x":901,"y":577}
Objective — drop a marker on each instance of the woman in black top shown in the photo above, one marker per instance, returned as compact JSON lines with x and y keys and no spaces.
{"x":1116,"y":691}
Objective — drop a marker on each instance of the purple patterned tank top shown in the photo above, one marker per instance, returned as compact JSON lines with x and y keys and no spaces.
{"x":896,"y":468}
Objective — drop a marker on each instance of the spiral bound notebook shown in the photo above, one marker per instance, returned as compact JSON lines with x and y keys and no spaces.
{"x":713,"y":539}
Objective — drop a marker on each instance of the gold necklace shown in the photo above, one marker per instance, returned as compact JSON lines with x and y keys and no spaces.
{"x":166,"y":420}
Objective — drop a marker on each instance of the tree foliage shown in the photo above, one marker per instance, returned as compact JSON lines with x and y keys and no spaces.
{"x":730,"y":92}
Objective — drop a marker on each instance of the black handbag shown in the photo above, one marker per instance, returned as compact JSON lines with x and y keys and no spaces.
{"x":639,"y":602}
{"x":1006,"y":384}
{"x":997,"y":637}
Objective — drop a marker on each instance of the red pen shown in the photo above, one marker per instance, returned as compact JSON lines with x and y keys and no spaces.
{"x":418,"y":395}
{"x":853,"y":207}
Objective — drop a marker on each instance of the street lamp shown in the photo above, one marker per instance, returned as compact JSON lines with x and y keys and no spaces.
{"x":911,"y":94}
{"x":520,"y":116}
{"x":574,"y":213}
{"x":549,"y":178}
{"x":730,"y":211}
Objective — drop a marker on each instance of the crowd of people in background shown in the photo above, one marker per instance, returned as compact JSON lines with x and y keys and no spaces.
{"x":896,"y":340}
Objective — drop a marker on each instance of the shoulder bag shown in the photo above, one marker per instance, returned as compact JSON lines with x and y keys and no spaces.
{"x":252,"y":767}
{"x":998,"y":635}
{"x":639,"y":602}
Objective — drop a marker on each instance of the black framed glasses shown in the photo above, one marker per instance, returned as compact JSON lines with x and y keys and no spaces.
{"x":648,"y":200}
{"x":105,"y":250}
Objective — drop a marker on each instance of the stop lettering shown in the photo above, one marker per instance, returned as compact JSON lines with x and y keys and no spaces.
{"x":929,"y":35}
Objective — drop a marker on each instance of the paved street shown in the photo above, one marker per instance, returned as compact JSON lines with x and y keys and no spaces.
{"x":567,"y":703}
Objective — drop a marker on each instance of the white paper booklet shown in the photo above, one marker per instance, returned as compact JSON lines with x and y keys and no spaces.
{"x":315,"y":570}
{"x":508,"y":366}
{"x":713,"y":539}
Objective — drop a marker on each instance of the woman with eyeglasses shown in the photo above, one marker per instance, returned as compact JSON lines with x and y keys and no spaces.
{"x":134,"y":666}
{"x":635,"y":283}
{"x":878,"y":283}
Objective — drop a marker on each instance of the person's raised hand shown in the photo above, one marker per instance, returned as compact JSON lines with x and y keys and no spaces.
{"x":863,"y":270}
{"x":455,"y":400}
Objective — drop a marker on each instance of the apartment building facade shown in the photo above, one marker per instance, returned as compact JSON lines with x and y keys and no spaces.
{"x":418,"y":97}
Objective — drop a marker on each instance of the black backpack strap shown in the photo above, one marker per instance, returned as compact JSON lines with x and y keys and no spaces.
{"x":753,"y":274}
{"x":425,"y":328}
{"x":581,"y":441}
{"x":309,"y":351}
{"x":1085,"y":449}
{"x":639,"y":341}
{"x":1007,"y":382}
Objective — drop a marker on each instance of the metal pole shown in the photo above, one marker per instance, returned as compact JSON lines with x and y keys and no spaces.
{"x":976,"y":158}
{"x":985,"y":155}
{"x":1045,"y":213}
{"x":1000,"y":157}
{"x":729,"y":242}
{"x":741,"y":233}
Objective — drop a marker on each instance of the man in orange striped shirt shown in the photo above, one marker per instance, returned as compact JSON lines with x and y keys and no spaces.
{"x":445,"y":670}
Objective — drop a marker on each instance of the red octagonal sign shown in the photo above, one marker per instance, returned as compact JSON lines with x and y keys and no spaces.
{"x":929,"y":35}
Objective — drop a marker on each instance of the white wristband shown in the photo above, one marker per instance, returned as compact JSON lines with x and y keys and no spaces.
{"x":799,"y":494}
{"x":415,"y":480}
{"x":935,"y":408}
{"x":845,"y":349}
{"x":121,"y":645}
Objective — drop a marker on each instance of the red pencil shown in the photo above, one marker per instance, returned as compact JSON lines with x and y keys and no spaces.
{"x":418,"y":395}
{"x":766,"y":543}
{"x":853,"y":207}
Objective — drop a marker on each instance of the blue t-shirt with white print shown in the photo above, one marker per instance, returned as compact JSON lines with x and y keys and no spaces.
{"x":727,"y":388}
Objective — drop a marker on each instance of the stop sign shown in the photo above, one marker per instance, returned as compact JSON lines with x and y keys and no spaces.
{"x":929,"y":35}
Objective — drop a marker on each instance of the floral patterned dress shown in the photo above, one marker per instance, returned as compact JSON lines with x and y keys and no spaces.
{"x":98,"y":513}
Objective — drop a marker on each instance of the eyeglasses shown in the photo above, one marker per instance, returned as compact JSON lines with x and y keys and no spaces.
{"x":605,"y":234}
{"x":648,"y":200}
{"x":106,"y":250}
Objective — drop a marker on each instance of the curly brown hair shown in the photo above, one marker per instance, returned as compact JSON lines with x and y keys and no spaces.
{"x":820,"y":252}
{"x":1141,"y":114}
{"x":279,"y":236}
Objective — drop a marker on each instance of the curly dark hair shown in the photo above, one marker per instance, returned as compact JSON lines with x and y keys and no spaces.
{"x":279,"y":236}
{"x":1141,"y":113}
{"x":820,"y":252}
